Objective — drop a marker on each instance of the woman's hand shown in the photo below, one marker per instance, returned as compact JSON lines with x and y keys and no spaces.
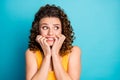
{"x":46,"y":48}
{"x":57,"y":44}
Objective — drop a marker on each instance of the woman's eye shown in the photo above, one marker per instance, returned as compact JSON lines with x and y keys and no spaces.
{"x":44,"y":27}
{"x":56,"y":28}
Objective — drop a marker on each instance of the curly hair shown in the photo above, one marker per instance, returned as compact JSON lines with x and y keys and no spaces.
{"x":67,"y":30}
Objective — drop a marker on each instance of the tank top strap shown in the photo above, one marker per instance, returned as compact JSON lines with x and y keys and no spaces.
{"x":38,"y":58}
{"x":65,"y":61}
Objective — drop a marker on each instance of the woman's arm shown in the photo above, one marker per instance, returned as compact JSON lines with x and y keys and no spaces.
{"x":74,"y":65}
{"x":31,"y":67}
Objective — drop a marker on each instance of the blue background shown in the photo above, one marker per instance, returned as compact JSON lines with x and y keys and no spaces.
{"x":97,"y":29}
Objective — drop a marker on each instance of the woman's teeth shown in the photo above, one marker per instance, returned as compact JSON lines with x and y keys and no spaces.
{"x":50,"y":38}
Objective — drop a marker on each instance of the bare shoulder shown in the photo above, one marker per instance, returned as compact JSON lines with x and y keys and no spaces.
{"x":29,"y":54}
{"x":75,"y":51}
{"x":74,"y":65}
{"x":28,"y":51}
{"x":76,"y":48}
{"x":75,"y":54}
{"x":31,"y":65}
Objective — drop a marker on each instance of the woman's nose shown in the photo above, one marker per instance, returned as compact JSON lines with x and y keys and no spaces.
{"x":50,"y":32}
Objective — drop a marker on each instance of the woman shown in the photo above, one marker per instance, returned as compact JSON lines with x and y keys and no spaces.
{"x":50,"y":55}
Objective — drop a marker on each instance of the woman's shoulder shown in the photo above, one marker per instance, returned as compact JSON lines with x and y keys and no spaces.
{"x":75,"y":51}
{"x":30,"y":53}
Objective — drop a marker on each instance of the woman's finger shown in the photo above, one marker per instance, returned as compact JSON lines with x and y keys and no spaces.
{"x":38,"y":38}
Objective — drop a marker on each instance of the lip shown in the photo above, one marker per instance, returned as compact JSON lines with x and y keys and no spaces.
{"x":50,"y":38}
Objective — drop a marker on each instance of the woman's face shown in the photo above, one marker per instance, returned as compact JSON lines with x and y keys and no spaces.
{"x":50,"y":27}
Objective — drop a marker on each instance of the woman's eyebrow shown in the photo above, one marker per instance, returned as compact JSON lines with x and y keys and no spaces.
{"x":57,"y":24}
{"x":43,"y":24}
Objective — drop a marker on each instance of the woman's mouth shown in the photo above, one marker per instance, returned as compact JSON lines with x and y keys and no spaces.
{"x":50,"y":39}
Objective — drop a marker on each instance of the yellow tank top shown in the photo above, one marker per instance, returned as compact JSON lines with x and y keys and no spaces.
{"x":51,"y":74}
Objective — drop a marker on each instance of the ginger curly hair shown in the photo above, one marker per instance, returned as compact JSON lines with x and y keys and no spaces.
{"x":67,"y":31}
